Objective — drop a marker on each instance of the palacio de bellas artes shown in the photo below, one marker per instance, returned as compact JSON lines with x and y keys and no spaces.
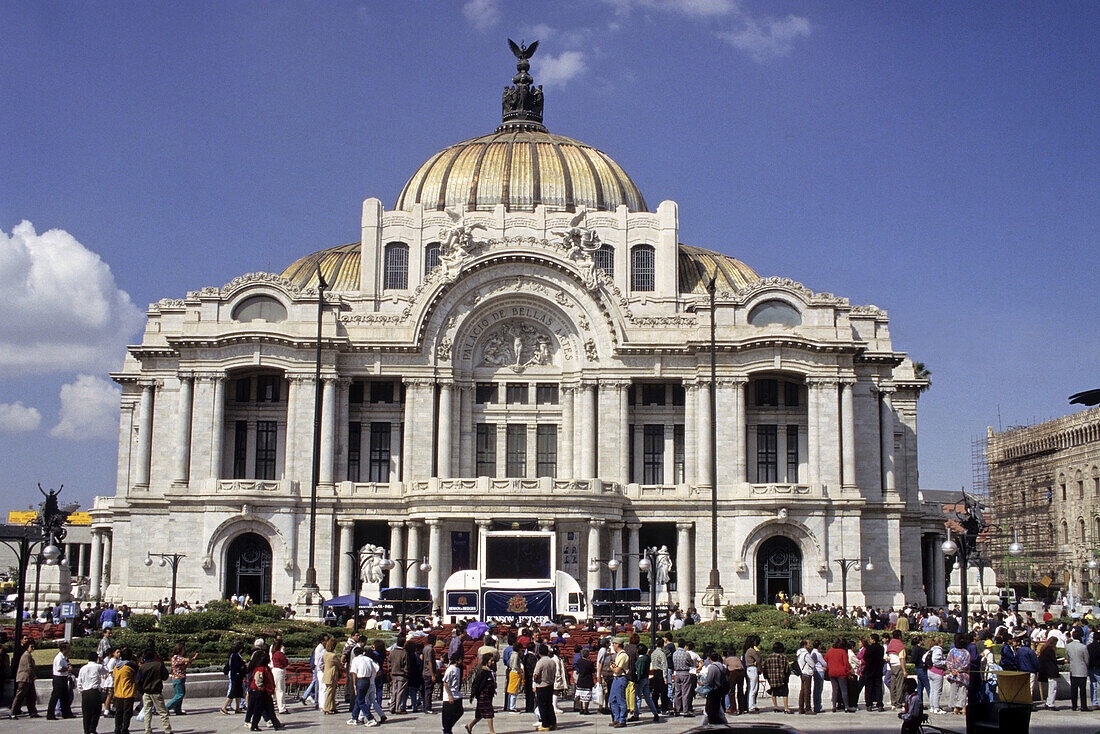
{"x":516,"y":384}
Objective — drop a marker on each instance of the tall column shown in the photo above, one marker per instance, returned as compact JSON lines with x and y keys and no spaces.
{"x":106,"y":560}
{"x":95,"y":571}
{"x":684,"y":552}
{"x":343,"y":401}
{"x":887,"y":441}
{"x":740,"y":425}
{"x":483,"y":526}
{"x":588,"y":431}
{"x":145,"y":436}
{"x":565,"y":462}
{"x":435,"y":558}
{"x":616,"y":529}
{"x":703,"y":434}
{"x":183,"y":431}
{"x":217,"y":435}
{"x":397,"y":451}
{"x":82,"y":560}
{"x":848,"y":440}
{"x":621,"y":391}
{"x":691,"y":457}
{"x":413,"y":578}
{"x":397,"y":552}
{"x":411,"y":394}
{"x":593,"y":554}
{"x":292,"y":427}
{"x":633,"y":546}
{"x":443,"y":458}
{"x":939,"y":571}
{"x":328,"y":422}
{"x":813,"y":433}
{"x":346,"y":561}
{"x":466,"y":432}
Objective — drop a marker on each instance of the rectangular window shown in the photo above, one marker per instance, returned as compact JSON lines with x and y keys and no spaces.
{"x":485,"y":392}
{"x":379,"y":452}
{"x":790,"y":394}
{"x":678,"y":454}
{"x":355,"y":436}
{"x":486,"y":450}
{"x":460,"y":550}
{"x":546,"y":446}
{"x":266,"y":435}
{"x":267,"y":388}
{"x":381,"y":391}
{"x":515,"y":465}
{"x":792,"y":454}
{"x":630,"y":445}
{"x":653,"y":394}
{"x":766,"y":458}
{"x":677,"y":393}
{"x":355,"y":392}
{"x":767,"y":392}
{"x":515,"y":393}
{"x":243,"y":390}
{"x":240,"y":449}
{"x":653,"y":454}
{"x":546,"y":393}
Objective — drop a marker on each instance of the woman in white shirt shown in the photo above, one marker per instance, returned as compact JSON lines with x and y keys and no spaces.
{"x":936,"y":663}
{"x":107,"y":683}
{"x":88,"y":683}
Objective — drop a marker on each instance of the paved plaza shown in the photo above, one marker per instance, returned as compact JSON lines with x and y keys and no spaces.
{"x":203,"y":718}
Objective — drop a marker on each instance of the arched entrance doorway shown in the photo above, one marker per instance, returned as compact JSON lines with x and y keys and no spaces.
{"x":248,"y":568}
{"x":778,"y":569}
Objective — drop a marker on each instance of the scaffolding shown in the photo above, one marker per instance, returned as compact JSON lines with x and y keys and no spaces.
{"x":979,"y":465}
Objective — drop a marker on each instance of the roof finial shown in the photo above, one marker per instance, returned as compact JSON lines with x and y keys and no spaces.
{"x":522,"y":102}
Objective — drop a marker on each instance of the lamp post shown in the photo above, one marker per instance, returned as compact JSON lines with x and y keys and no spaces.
{"x":172,"y":559}
{"x":20,"y":540}
{"x":971,"y":524}
{"x":388,"y":564}
{"x":311,"y":571}
{"x":1016,"y":549}
{"x":847,"y":564}
{"x":714,"y":587}
{"x":648,"y":564}
{"x":612,"y":566}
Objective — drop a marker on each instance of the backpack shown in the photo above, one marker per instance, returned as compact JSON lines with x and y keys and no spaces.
{"x":258,"y":679}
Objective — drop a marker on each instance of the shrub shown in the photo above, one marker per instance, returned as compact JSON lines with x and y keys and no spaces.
{"x":219,"y":605}
{"x":267,"y":611}
{"x":141,"y":622}
{"x":196,"y":622}
{"x":821,"y":620}
{"x":741,"y":612}
{"x":770,"y":617}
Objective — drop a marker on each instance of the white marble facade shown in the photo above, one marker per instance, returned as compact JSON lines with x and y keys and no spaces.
{"x":593,"y":374}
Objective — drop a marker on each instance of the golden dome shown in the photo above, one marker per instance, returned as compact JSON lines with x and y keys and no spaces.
{"x":521,"y":167}
{"x":698,"y":265}
{"x":340,"y":266}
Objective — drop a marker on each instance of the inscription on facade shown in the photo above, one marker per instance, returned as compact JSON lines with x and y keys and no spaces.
{"x":516,"y":337}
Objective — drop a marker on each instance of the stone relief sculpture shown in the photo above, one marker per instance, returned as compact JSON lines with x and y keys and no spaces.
{"x":372,"y":563}
{"x":457,"y":242}
{"x":516,"y":345}
{"x":579,"y":242}
{"x":663,"y":569}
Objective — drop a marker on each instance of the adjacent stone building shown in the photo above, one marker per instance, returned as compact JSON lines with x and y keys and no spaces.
{"x":520,"y":342}
{"x":1044,"y":485}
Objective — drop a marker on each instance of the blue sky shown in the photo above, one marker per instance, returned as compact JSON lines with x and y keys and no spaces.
{"x":936,"y":159}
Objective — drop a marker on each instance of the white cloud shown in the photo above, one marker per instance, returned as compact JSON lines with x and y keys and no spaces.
{"x":482,"y":14}
{"x":684,"y":7}
{"x":89,"y":409}
{"x":551,"y":70}
{"x":18,"y":418}
{"x":61,"y":310}
{"x":767,"y":38}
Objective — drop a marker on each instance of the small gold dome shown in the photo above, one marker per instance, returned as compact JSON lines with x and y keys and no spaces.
{"x":698,"y":265}
{"x":340,"y":266}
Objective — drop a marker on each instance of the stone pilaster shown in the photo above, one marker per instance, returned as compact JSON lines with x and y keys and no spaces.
{"x":397,"y":553}
{"x":328,"y":431}
{"x":217,"y":438}
{"x":691,"y":456}
{"x":145,"y":435}
{"x":887,"y":422}
{"x":415,"y":552}
{"x":95,"y":571}
{"x":703,"y":433}
{"x":346,"y":561}
{"x":594,"y":527}
{"x":848,"y":434}
{"x":565,"y":457}
{"x":183,"y":430}
{"x":588,"y":431}
{"x":466,"y":431}
{"x":685,"y":584}
{"x":202,"y":426}
{"x":633,"y":546}
{"x":435,"y":559}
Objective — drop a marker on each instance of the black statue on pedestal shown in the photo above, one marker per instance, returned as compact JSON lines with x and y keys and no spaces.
{"x":522,"y":102}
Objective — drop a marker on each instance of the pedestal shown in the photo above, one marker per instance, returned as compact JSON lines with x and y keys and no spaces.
{"x":55,"y":585}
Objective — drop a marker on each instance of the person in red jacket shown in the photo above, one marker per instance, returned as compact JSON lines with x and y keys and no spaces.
{"x":838,"y":670}
{"x":261,"y":688}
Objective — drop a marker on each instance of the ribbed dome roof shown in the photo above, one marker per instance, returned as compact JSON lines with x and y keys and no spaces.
{"x":341,"y":268}
{"x":521,"y":167}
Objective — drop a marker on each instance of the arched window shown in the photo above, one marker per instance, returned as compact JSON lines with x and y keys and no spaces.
{"x":263,"y":308}
{"x":643,"y":268}
{"x":1081,"y":529}
{"x":1065,"y":532}
{"x":395,"y":267}
{"x":1080,"y":486}
{"x":774,"y":312}
{"x":431,"y":258}
{"x":604,"y":258}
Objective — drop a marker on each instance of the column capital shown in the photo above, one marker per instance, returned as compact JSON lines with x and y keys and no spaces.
{"x":150,"y":383}
{"x":728,"y":382}
{"x":397,"y":523}
{"x":414,"y":524}
{"x":615,"y":525}
{"x":447,"y":384}
{"x":418,"y":382}
{"x":848,"y":382}
{"x":481,"y":523}
{"x":546,"y":524}
{"x":343,"y":382}
{"x":346,"y":524}
{"x":433,"y":522}
{"x":596,"y":524}
{"x":185,"y":375}
{"x":614,"y":383}
{"x":886,"y":388}
{"x":685,"y":525}
{"x":822,"y":381}
{"x":634,"y":526}
{"x":330,"y":379}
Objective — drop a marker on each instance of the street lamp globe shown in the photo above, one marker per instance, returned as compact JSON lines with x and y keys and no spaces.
{"x":1093,"y":564}
{"x":425,"y":567}
{"x":593,"y":566}
{"x":643,"y":565}
{"x":51,"y":553}
{"x":1015,"y":548}
{"x":956,"y":567}
{"x":163,"y":562}
{"x":868,"y":566}
{"x":949,"y":547}
{"x":387,"y":564}
{"x":613,"y":565}
{"x":148,"y":560}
